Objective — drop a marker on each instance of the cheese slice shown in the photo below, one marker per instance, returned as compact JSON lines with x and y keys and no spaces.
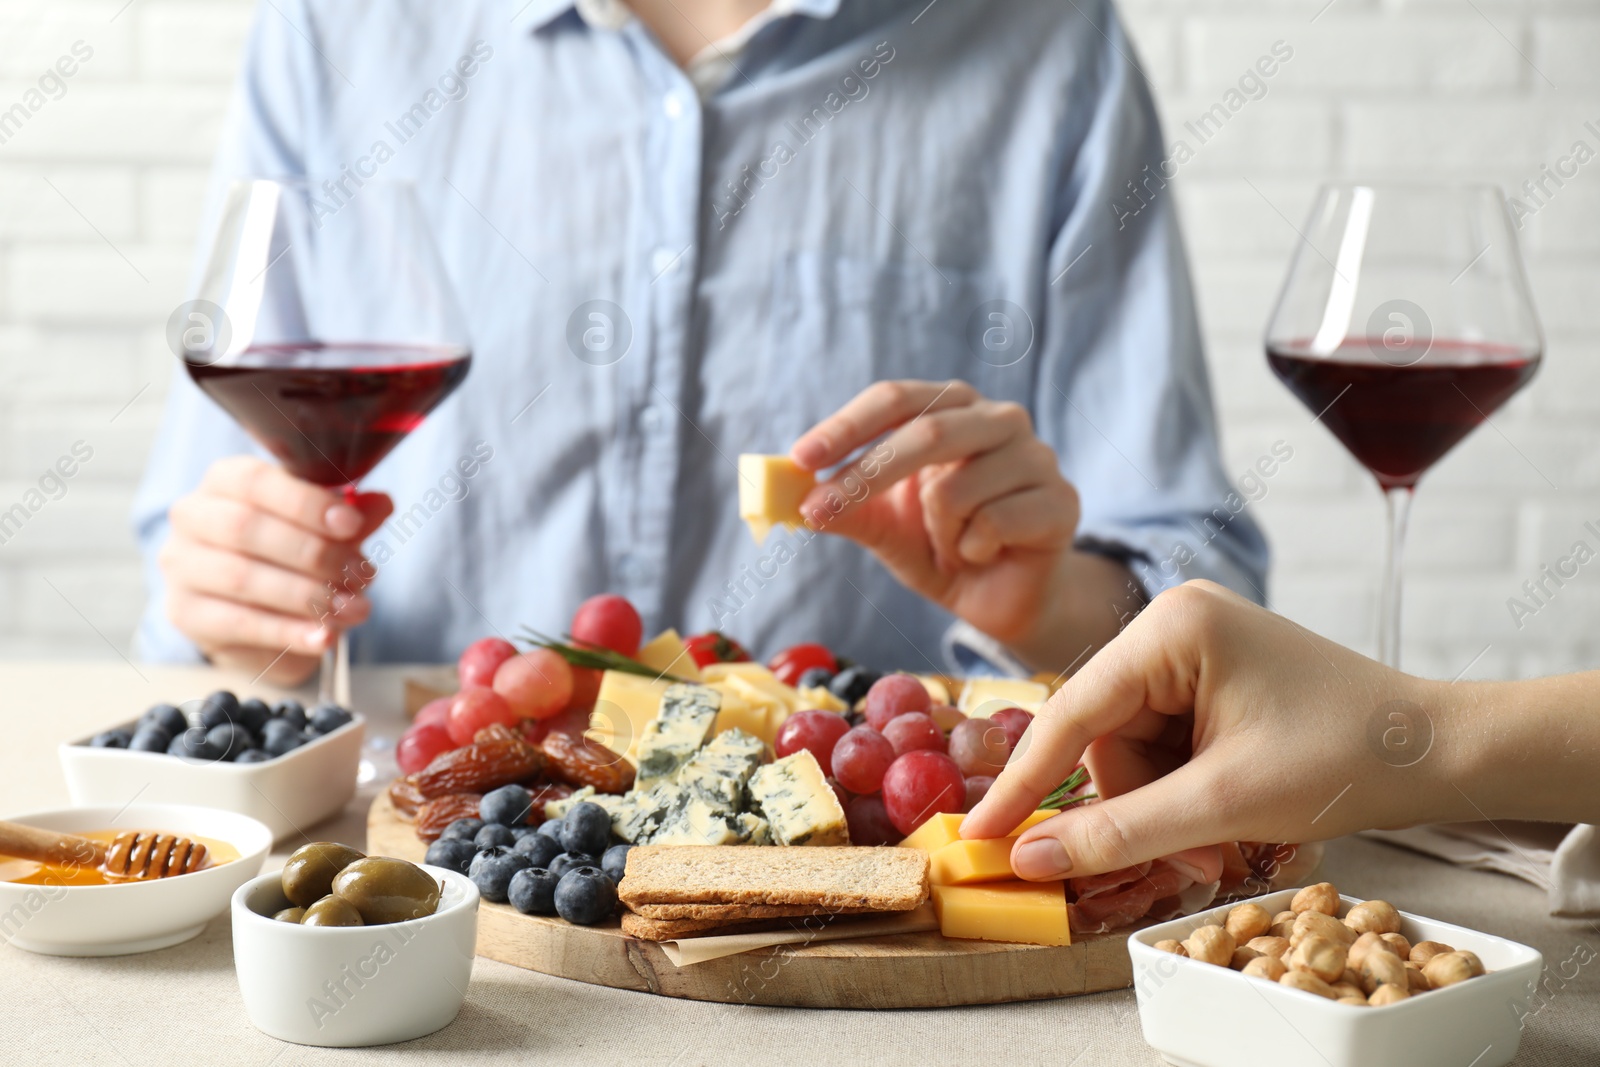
{"x":821,"y":698}
{"x":756,"y":675}
{"x":623,"y":707}
{"x":666,"y":653}
{"x":771,"y":489}
{"x":1026,"y":912}
{"x":984,"y":695}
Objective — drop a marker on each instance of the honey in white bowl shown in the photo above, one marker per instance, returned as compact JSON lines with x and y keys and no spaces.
{"x":31,"y":872}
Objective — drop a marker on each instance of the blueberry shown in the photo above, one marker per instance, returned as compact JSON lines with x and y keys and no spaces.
{"x":218,"y":708}
{"x":615,"y":862}
{"x":291,"y":712}
{"x":462,"y":830}
{"x":538,"y":848}
{"x":491,"y":871}
{"x":229,"y":740}
{"x":551,"y":828}
{"x":279,"y":737}
{"x":519,"y":832}
{"x":814,"y":677}
{"x":326,"y":718}
{"x":117,"y":738}
{"x":452,"y":855}
{"x":493,"y":835}
{"x":533,"y":891}
{"x":585,"y":896}
{"x":194,"y":743}
{"x":148,"y":738}
{"x":253,"y":714}
{"x":852,"y":683}
{"x":253,"y":755}
{"x":568,"y":861}
{"x":509,"y":806}
{"x":168,"y":718}
{"x":587,"y":829}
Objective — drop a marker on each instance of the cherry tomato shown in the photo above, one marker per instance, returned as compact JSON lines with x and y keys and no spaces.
{"x":481,"y":659}
{"x":795,"y":660}
{"x":608,"y":621}
{"x":715,"y":647}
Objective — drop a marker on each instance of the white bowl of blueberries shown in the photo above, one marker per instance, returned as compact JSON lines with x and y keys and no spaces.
{"x":281,"y":764}
{"x":568,"y":867}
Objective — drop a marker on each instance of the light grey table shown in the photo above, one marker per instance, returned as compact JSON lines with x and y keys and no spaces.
{"x":181,"y":1005}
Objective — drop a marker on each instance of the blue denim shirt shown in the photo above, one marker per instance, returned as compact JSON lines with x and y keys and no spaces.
{"x":656,"y":283}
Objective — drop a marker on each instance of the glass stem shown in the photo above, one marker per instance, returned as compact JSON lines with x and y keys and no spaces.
{"x":1398,"y":504}
{"x":333,"y":682}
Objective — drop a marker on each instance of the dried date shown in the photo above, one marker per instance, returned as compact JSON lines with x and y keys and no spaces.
{"x":405,"y":796}
{"x":436,"y":814}
{"x":579,"y":761}
{"x":481,"y":766}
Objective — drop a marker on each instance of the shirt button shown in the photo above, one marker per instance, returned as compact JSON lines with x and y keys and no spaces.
{"x":653,"y":419}
{"x":672,"y":104}
{"x":662,"y":261}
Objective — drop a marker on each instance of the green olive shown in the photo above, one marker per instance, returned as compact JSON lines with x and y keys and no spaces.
{"x":290,"y":915}
{"x":387,"y":890}
{"x":309,"y":874}
{"x":332,"y":911}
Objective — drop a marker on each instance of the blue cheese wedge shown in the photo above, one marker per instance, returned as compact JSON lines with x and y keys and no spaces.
{"x":720,"y":772}
{"x":642,"y":812}
{"x":692,"y":820}
{"x":797,"y":802}
{"x":685,"y":722}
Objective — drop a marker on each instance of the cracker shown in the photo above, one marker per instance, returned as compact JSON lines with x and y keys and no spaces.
{"x":671,"y":929}
{"x":739,"y":912}
{"x":869,"y":879}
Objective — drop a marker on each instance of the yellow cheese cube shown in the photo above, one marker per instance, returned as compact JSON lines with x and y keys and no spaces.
{"x":1026,"y":912}
{"x":622,"y":707}
{"x":738,"y":714}
{"x":666,"y":653}
{"x":983,"y":695}
{"x":821,"y":698}
{"x":966,"y":862}
{"x":944,"y":828}
{"x":771,"y":489}
{"x":935,"y":687}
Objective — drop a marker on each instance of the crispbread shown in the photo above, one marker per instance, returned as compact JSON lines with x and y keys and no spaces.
{"x":740,"y":912}
{"x":672,"y":929}
{"x":832,"y":877}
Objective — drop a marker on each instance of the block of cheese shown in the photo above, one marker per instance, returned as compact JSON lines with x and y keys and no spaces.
{"x":1026,"y":912}
{"x":757,"y":677}
{"x":821,"y":698}
{"x":944,"y":828}
{"x":968,"y":862}
{"x":622,"y":708}
{"x":1020,"y":692}
{"x":687,"y":720}
{"x":739,"y":714}
{"x":720,"y":772}
{"x":666,"y":653}
{"x":936,"y":687}
{"x":771,"y":489}
{"x":797,"y":802}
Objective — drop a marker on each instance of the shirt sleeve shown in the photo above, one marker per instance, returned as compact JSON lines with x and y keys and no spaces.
{"x":1123,"y":394}
{"x":259,"y":139}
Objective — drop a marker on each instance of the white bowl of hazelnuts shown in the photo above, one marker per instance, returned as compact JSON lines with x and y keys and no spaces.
{"x":1307,"y":976}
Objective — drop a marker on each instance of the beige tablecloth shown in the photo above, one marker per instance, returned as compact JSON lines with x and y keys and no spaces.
{"x":181,"y":1005}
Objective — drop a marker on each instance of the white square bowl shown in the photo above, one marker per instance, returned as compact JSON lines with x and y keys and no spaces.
{"x":289,"y":794}
{"x":1201,"y":1015}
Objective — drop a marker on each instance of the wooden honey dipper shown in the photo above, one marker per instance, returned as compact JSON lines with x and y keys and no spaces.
{"x":133,"y":855}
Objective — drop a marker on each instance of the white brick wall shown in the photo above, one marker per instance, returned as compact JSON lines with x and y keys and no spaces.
{"x":1489,"y":90}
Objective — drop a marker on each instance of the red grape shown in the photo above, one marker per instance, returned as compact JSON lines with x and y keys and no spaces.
{"x":912,"y":731}
{"x":474,"y":708}
{"x":839,"y":792}
{"x":817,"y":730}
{"x":537,"y":684}
{"x":608,"y":621}
{"x":895,"y":694}
{"x":859,"y":759}
{"x":977,"y":788}
{"x":481,"y":659}
{"x":869,"y":822}
{"x":795,"y":660}
{"x":585,"y":687}
{"x":979,"y":746}
{"x":419,"y":745}
{"x":946,"y":716}
{"x":573,"y":722}
{"x":434,"y":712}
{"x":920,"y":784}
{"x":1014,"y":721}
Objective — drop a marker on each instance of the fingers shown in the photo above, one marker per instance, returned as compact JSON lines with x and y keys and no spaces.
{"x":1043,"y":517}
{"x":272,"y":489}
{"x":231,"y":576}
{"x":237,"y":526}
{"x":873,"y":412}
{"x":215,"y":623}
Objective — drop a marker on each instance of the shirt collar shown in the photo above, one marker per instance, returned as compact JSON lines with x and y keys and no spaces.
{"x":531,"y":15}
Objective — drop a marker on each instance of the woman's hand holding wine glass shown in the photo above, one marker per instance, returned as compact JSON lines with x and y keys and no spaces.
{"x":259,"y":563}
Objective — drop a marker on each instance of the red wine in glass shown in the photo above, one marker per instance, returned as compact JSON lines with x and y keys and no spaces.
{"x":1400,"y":414}
{"x":330,"y":412}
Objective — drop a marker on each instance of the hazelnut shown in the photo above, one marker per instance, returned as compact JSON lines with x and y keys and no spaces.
{"x":1241,"y":956}
{"x":1320,"y":897}
{"x":1246,"y":921}
{"x":1416,"y":981}
{"x":1282,"y":924}
{"x":1399,"y":944}
{"x":1388,"y":993}
{"x":1380,"y":968}
{"x":1316,"y":924}
{"x":1353,"y":1001}
{"x":1349,"y":989}
{"x":1364,"y":944}
{"x":1270,"y":946}
{"x":1423,"y":951}
{"x":1320,"y":956}
{"x":1211,"y":944}
{"x":1169,"y":945}
{"x":1448,"y":968}
{"x":1373,"y":916}
{"x":1269,"y":967}
{"x":1305,"y":980}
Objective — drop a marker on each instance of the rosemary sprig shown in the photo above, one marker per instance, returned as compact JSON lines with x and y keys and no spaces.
{"x":600,"y":659}
{"x":1060,"y":798}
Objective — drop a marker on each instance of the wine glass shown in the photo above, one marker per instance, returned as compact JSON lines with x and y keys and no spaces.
{"x":1404,"y":322}
{"x":325,"y":325}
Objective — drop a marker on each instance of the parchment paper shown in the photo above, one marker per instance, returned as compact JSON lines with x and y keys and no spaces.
{"x":691,"y":950}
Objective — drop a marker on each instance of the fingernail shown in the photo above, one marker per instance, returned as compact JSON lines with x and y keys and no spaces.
{"x":318,"y":639}
{"x":342,"y":520}
{"x":1043,"y":857}
{"x":809,"y":452}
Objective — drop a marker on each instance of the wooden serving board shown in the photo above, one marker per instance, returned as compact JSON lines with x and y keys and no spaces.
{"x":904,"y":971}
